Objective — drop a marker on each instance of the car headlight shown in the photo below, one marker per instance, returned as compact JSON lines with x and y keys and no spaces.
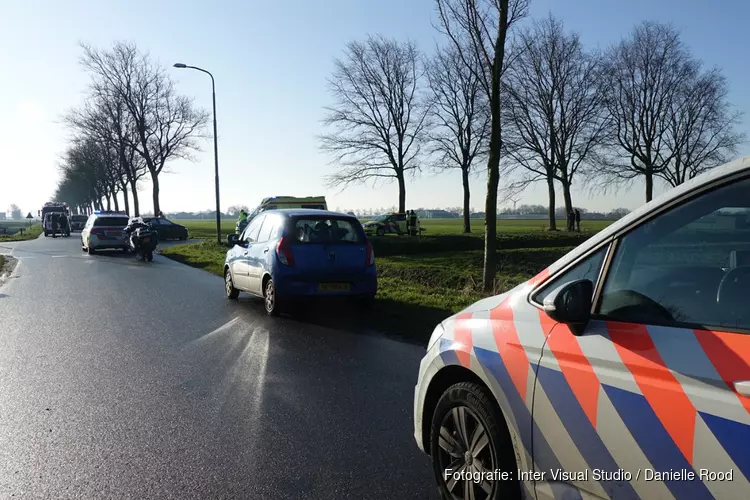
{"x":436,"y":334}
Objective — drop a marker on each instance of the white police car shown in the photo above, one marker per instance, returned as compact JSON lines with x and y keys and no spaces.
{"x":105,"y":230}
{"x":621,"y":371}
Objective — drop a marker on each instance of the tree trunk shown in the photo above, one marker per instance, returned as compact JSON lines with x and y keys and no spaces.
{"x":134,"y":190}
{"x":117,"y":203}
{"x":467,"y":201}
{"x":649,"y":185}
{"x":109,"y":202}
{"x":401,"y":193}
{"x":124,"y":188}
{"x":155,"y":183}
{"x":568,"y":199}
{"x":551,"y":210}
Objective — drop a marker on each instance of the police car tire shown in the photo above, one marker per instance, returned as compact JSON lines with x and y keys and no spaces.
{"x":481,"y":403}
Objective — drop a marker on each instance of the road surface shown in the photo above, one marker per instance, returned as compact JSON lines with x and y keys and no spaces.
{"x":121,"y":379}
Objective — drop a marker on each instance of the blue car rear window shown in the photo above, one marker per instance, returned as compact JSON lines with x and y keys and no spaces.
{"x":311,"y":229}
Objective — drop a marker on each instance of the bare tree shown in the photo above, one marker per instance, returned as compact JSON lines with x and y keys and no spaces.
{"x":479,"y":29}
{"x":104,"y":118}
{"x":553,"y":108}
{"x":378,"y":116}
{"x":702,"y":128}
{"x":461,"y":118}
{"x":166,"y":125}
{"x":643,"y":78}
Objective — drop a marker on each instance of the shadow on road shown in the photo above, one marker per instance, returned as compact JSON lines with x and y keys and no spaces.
{"x":403,"y":322}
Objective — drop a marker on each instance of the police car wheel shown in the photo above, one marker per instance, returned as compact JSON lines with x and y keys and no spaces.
{"x":470,"y":446}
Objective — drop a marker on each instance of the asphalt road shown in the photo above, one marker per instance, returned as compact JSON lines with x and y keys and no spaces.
{"x":122,"y":379}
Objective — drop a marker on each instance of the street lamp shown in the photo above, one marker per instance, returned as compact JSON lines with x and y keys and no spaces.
{"x":216,"y":147}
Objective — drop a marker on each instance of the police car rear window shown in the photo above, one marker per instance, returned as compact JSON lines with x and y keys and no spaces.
{"x":111,"y":222}
{"x":308,"y":229}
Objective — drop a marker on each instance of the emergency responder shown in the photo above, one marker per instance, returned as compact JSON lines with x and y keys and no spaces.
{"x":413,"y":223}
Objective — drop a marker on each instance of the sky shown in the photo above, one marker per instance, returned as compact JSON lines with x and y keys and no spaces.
{"x":271,"y":61}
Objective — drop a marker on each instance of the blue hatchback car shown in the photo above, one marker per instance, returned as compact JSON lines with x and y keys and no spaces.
{"x":293,"y":254}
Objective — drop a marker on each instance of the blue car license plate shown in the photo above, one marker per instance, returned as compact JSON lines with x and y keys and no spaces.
{"x":334,"y":287}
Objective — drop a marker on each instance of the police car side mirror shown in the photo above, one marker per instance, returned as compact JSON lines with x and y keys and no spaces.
{"x":232,"y":240}
{"x":571,"y":304}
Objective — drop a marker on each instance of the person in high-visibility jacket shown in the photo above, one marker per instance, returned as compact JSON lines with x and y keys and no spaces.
{"x":242,"y":217}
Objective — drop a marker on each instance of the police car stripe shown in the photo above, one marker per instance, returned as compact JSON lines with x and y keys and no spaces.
{"x":604,"y":358}
{"x":713,"y":457}
{"x":730,"y":355}
{"x":660,"y":388}
{"x":447,"y":354}
{"x":575,"y":366}
{"x":509,"y":347}
{"x":462,"y":336}
{"x":734,"y":437}
{"x":494,"y":366}
{"x":688,"y":362}
{"x":658,"y":446}
{"x":565,"y":441}
{"x":566,"y":408}
{"x":617,"y":438}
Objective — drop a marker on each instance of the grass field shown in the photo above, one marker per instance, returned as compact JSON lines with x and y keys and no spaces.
{"x":421,"y":281}
{"x":15,"y":227}
{"x":206,"y":228}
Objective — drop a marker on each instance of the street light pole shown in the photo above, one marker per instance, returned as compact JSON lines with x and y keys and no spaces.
{"x":216,"y":147}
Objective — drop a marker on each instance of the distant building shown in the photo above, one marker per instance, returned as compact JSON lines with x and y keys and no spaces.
{"x":438,"y":214}
{"x":2,"y":215}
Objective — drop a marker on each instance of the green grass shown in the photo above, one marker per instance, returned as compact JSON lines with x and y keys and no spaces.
{"x":206,"y":228}
{"x":29,"y":233}
{"x":2,"y":262}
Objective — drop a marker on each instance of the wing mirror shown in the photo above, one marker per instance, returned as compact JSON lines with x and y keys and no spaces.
{"x":571,"y":304}
{"x":232,"y":240}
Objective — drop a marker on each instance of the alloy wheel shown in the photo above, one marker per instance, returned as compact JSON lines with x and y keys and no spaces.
{"x":466,"y":450}
{"x":270,"y":298}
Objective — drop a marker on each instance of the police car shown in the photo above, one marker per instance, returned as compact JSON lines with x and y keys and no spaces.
{"x":621,"y":371}
{"x":105,"y":230}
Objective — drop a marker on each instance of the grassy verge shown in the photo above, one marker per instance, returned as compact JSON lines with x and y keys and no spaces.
{"x":28,"y":234}
{"x":418,"y":290}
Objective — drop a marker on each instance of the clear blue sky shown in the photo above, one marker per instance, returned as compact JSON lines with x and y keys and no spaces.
{"x":271,"y":61}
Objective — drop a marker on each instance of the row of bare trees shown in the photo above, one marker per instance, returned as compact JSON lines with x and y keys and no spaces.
{"x":131,"y":124}
{"x":532,"y":103}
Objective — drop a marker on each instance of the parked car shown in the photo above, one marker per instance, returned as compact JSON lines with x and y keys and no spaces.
{"x":396,"y":223}
{"x":631,"y":353}
{"x":77,"y":222}
{"x":297,"y":254}
{"x":166,"y":229}
{"x":105,"y":230}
